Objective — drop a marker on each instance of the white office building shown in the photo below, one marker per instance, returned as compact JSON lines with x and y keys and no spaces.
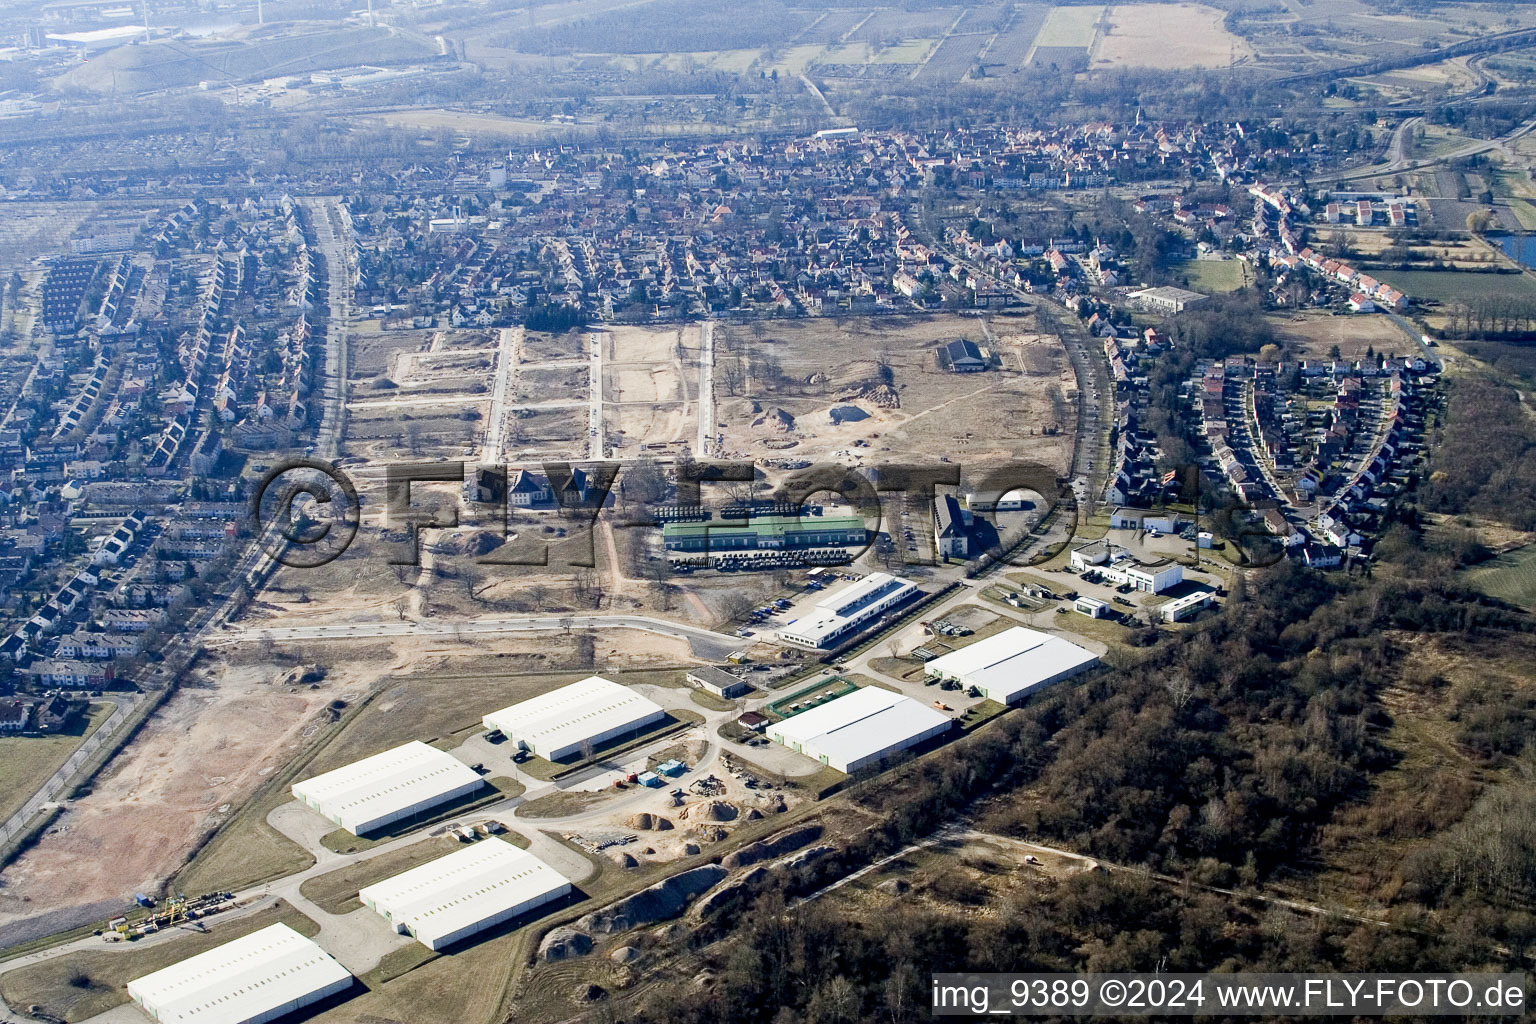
{"x":1007,"y":666}
{"x":847,"y":610}
{"x":399,"y":783}
{"x":255,"y":978}
{"x":860,"y":729}
{"x":559,"y":724}
{"x":454,"y":897}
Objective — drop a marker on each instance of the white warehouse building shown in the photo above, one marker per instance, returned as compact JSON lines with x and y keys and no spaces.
{"x":1006,"y":667}
{"x":860,"y":729}
{"x":451,"y":898}
{"x":401,"y":782}
{"x":558,"y":724}
{"x":847,"y":610}
{"x":253,"y":979}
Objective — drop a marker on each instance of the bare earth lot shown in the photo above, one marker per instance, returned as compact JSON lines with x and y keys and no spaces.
{"x":650,"y":384}
{"x":1313,"y":337}
{"x":195,"y":760}
{"x":831,"y":393}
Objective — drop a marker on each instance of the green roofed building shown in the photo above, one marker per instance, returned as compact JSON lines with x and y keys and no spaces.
{"x":766,"y":533}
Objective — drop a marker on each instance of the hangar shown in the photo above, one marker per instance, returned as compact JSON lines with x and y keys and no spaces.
{"x":860,"y":729}
{"x":379,"y":790}
{"x":451,"y":898}
{"x":559,"y":724}
{"x":255,"y":978}
{"x":1007,"y":666}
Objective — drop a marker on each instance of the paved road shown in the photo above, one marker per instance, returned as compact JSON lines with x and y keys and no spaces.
{"x":706,"y":643}
{"x":595,"y":447}
{"x":706,"y":409}
{"x":1396,"y":163}
{"x":511,"y":340}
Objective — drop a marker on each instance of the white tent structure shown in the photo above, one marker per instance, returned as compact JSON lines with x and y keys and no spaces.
{"x":379,"y":790}
{"x":1007,"y":666}
{"x":860,"y":728}
{"x":255,"y":978}
{"x":558,"y":724}
{"x":453,"y":897}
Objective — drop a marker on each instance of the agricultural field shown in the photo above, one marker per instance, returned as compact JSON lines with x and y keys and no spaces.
{"x":890,"y":26}
{"x":1168,"y":36}
{"x":1070,"y":26}
{"x":953,"y":60}
{"x":1451,"y":286}
{"x":1508,"y":577}
{"x":832,"y":26}
{"x":1013,"y":44}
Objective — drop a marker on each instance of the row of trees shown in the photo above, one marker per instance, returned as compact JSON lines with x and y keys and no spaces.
{"x":1492,"y":316}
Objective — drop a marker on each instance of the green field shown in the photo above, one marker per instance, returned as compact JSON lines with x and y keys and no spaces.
{"x":1509,"y":577}
{"x":26,"y":761}
{"x":1214,"y":276}
{"x":80,"y":985}
{"x":1451,"y":286}
{"x":1069,"y":26}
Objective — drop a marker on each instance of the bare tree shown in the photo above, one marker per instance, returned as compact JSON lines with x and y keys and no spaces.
{"x":733,"y":377}
{"x":1180,"y":689}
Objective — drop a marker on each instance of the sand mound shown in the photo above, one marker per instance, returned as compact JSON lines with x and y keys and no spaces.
{"x":645,"y":821}
{"x":473,"y":543}
{"x":777,"y":419}
{"x":563,"y":943}
{"x":625,"y":955}
{"x":847,"y":414}
{"x":661,"y":901}
{"x":711,"y":810}
{"x":775,"y":846}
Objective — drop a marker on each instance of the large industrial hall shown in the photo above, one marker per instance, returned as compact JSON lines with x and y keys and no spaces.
{"x":253,"y":979}
{"x":399,"y":783}
{"x":1010,"y":665}
{"x":564,"y":722}
{"x":451,"y":898}
{"x":860,"y":729}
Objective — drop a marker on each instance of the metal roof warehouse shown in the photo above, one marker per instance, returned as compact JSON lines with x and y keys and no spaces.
{"x":556,"y":725}
{"x":766,"y":533}
{"x":453,"y":897}
{"x":844,"y":611}
{"x":378,"y":790}
{"x":1007,"y":666}
{"x":255,"y":978}
{"x":860,"y":729}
